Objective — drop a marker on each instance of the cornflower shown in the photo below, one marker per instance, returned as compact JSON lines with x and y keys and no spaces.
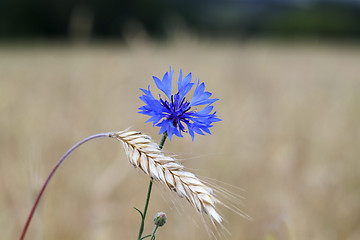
{"x":174,"y":113}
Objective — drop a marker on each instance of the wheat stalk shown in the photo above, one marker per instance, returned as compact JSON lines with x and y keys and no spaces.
{"x":147,"y":156}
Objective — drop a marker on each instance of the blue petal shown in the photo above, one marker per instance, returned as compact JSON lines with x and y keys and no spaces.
{"x":198,"y":130}
{"x":184,"y":85}
{"x":166,"y":84}
{"x":167,"y":126}
{"x":177,"y":132}
{"x":155,"y":119}
{"x":163,"y":127}
{"x":191,"y":132}
{"x":170,"y":132}
{"x":163,"y":85}
{"x":180,"y":81}
{"x":200,"y":97}
{"x":147,"y":94}
{"x":205,"y":111}
{"x":205,"y":129}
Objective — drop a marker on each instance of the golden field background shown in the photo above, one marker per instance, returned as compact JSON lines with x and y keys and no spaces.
{"x":290,"y":137}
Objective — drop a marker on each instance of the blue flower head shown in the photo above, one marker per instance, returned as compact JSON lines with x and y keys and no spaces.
{"x":177,"y":113}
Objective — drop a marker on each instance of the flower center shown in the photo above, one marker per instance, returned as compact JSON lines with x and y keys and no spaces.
{"x":176,"y":110}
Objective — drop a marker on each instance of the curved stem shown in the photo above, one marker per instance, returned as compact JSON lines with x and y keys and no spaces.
{"x":62,"y":159}
{"x":143,"y":215}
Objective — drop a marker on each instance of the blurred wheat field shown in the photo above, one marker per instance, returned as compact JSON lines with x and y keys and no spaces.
{"x":289,"y":137}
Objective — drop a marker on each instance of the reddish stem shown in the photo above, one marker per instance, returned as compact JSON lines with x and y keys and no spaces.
{"x":62,"y":159}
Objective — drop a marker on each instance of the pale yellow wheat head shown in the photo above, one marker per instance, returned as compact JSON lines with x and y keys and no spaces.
{"x":147,"y":156}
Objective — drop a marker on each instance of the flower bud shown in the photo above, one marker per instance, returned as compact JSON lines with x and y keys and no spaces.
{"x":160,"y":219}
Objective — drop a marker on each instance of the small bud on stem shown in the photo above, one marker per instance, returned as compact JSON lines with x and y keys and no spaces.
{"x":160,"y":219}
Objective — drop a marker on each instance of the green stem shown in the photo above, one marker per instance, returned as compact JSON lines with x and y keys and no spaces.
{"x":145,"y":210}
{"x":162,"y":141}
{"x":143,"y":215}
{"x":153,"y":233}
{"x":146,"y":236}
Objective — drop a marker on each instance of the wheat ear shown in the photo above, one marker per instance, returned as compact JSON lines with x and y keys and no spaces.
{"x":146,"y":155}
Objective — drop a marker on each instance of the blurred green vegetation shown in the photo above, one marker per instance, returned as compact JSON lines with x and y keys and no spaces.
{"x":319,"y":20}
{"x":114,"y":19}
